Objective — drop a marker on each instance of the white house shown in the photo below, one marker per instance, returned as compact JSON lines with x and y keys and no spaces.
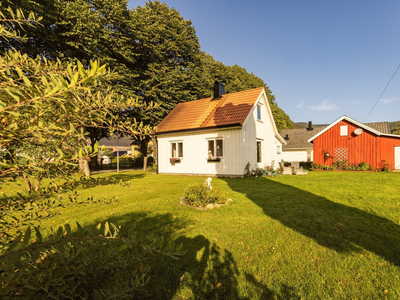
{"x":297,"y":147}
{"x":219,"y":135}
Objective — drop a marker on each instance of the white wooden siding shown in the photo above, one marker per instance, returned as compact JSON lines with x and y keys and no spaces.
{"x":195,"y":151}
{"x":295,"y":155}
{"x":253,"y":131}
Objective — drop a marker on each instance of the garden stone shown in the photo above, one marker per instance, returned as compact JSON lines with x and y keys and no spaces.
{"x":229,"y":201}
{"x":210,"y":206}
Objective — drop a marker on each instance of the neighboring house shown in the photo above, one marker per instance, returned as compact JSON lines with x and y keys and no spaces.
{"x":297,"y":147}
{"x":350,"y":141}
{"x":219,"y":135}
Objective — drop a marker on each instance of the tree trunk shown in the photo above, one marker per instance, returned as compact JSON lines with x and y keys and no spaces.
{"x":94,"y":162}
{"x":28,"y":183}
{"x":143,"y":148}
{"x":154,"y":140}
{"x":145,"y":163}
{"x":84,"y":167}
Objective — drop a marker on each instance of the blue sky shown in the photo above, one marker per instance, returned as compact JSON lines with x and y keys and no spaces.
{"x":321,"y":59}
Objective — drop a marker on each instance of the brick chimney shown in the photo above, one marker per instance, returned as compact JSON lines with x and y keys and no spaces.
{"x":219,"y":90}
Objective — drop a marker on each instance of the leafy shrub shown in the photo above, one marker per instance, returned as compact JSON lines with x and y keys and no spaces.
{"x":150,"y":160}
{"x":200,"y":195}
{"x":306,"y":165}
{"x":153,"y":168}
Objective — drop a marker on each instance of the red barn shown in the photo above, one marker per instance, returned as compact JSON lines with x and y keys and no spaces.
{"x":352,"y":142}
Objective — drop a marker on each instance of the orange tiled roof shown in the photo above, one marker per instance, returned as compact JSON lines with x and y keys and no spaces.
{"x":231,"y":109}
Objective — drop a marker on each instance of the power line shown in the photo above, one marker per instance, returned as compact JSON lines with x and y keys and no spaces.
{"x":382,"y":92}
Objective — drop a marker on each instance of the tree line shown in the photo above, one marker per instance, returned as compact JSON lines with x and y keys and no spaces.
{"x":153,"y":50}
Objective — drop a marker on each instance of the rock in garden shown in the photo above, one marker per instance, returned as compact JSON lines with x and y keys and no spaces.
{"x":210,"y":206}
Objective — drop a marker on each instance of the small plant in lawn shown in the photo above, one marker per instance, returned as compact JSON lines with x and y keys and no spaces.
{"x":247,"y":169}
{"x":200,"y":195}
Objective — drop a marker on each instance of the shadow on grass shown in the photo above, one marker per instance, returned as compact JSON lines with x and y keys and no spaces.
{"x":125,"y":177}
{"x":332,"y":225}
{"x":204,"y":272}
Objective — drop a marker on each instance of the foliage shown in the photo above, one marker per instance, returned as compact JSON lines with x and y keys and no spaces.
{"x":395,"y":127}
{"x":110,"y":265}
{"x":174,"y":160}
{"x":200,"y":195}
{"x":236,"y":79}
{"x":268,"y":169}
{"x":247,"y":170}
{"x":45,"y":107}
{"x":344,"y":165}
{"x":153,"y":168}
{"x":44,"y":110}
{"x":306,"y":164}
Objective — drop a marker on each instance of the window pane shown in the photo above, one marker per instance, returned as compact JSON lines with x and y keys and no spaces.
{"x":180,"y":149}
{"x":219,"y":148}
{"x":211,"y":147}
{"x":258,"y":151}
{"x":343,"y":130}
{"x":258,"y":112}
{"x":173,"y":147}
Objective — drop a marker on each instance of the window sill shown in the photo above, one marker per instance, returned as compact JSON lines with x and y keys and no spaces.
{"x":213,"y":159}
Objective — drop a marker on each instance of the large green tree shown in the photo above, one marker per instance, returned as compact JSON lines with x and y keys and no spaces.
{"x":45,"y":106}
{"x":236,"y":79}
{"x":168,"y":60}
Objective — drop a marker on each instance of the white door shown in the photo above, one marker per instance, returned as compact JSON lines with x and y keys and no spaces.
{"x":397,"y":158}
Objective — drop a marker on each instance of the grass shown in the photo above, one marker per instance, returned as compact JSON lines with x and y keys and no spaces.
{"x":327,"y":235}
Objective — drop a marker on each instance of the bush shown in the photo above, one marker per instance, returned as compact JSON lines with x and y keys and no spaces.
{"x":153,"y":168}
{"x":306,"y":165}
{"x":150,"y":160}
{"x":200,"y":195}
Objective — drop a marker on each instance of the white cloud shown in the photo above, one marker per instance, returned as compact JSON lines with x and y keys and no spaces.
{"x":300,"y":105}
{"x":356,"y":102}
{"x":387,"y":101}
{"x":325,"y":105}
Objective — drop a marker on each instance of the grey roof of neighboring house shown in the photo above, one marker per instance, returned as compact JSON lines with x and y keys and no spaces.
{"x":114,"y":142}
{"x":379,"y":126}
{"x":298,"y":137}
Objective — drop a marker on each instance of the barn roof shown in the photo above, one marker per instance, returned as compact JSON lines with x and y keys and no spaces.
{"x":229,"y":110}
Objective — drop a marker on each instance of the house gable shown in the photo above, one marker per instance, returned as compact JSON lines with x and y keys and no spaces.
{"x":267,"y":118}
{"x":371,"y":127}
{"x":229,"y":110}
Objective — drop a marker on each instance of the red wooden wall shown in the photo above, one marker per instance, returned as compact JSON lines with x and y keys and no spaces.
{"x":366,"y":147}
{"x":386,"y":149}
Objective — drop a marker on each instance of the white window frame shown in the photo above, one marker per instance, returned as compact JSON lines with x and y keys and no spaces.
{"x":344,"y":129}
{"x":279,"y":149}
{"x":178,"y":151}
{"x":261,"y":152}
{"x":259,"y":112}
{"x":215,"y":151}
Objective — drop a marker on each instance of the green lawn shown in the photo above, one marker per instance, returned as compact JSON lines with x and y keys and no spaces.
{"x":327,"y":235}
